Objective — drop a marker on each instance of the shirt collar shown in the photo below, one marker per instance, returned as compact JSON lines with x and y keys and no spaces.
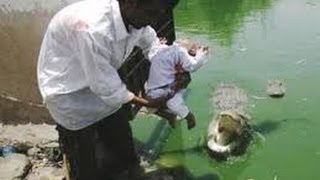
{"x":120,"y":29}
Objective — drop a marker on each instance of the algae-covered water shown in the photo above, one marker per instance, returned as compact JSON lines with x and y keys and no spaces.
{"x":251,"y":42}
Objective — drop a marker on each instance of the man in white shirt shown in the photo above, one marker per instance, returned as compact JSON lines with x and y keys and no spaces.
{"x":170,"y":63}
{"x":84,"y":46}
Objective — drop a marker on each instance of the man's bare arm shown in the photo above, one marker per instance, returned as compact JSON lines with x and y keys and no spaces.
{"x":154,"y":103}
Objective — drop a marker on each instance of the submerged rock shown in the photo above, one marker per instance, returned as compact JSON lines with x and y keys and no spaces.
{"x":158,"y":175}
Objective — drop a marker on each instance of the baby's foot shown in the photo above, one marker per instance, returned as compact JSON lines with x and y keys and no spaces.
{"x":191,"y":123}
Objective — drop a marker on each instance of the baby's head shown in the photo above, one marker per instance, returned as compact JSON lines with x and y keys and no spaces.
{"x":191,"y":46}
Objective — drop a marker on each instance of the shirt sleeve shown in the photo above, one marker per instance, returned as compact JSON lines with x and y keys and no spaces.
{"x":102,"y":77}
{"x":150,"y":43}
{"x":191,"y":63}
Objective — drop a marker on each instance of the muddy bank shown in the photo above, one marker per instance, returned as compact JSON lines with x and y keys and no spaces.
{"x":22,"y":26}
{"x":31,"y":152}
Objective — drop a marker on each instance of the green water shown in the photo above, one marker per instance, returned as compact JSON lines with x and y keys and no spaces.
{"x":252,"y":41}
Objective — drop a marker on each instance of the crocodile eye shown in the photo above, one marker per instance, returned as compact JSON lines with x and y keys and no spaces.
{"x":221,"y":129}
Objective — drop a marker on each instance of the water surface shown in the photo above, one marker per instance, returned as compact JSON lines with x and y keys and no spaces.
{"x":252,"y":41}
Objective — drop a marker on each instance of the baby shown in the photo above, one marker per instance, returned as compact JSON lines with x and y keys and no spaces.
{"x":167,"y":66}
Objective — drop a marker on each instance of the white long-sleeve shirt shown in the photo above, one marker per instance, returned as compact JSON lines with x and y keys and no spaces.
{"x":84,"y":46}
{"x":162,"y":75}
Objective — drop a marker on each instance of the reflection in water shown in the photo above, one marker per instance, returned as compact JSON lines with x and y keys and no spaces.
{"x":220,"y":18}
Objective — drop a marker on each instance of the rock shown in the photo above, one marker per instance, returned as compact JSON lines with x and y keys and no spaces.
{"x":39,"y":143}
{"x":14,"y":167}
{"x":33,"y":152}
{"x":47,"y":173}
{"x":27,"y":134}
{"x":4,"y":141}
{"x":51,"y":150}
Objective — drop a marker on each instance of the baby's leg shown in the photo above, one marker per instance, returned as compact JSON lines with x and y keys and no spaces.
{"x":170,"y":117}
{"x":153,"y":94}
{"x":177,"y":105}
{"x":164,"y":113}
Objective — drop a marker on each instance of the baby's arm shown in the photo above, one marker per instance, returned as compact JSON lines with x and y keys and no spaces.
{"x":192,"y":63}
{"x":186,"y":63}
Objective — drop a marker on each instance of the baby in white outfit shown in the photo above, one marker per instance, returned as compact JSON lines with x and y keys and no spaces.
{"x":181,"y":57}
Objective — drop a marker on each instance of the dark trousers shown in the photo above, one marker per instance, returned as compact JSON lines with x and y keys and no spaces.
{"x":102,"y":151}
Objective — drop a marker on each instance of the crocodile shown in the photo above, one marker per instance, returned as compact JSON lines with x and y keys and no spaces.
{"x":276,"y":88}
{"x":229,"y":131}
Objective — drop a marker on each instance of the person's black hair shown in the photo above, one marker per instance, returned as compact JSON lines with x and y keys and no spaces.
{"x":172,"y":3}
{"x":169,"y":3}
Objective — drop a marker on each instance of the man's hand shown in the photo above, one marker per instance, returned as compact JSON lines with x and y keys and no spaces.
{"x":160,"y":102}
{"x":154,"y":103}
{"x":163,"y":40}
